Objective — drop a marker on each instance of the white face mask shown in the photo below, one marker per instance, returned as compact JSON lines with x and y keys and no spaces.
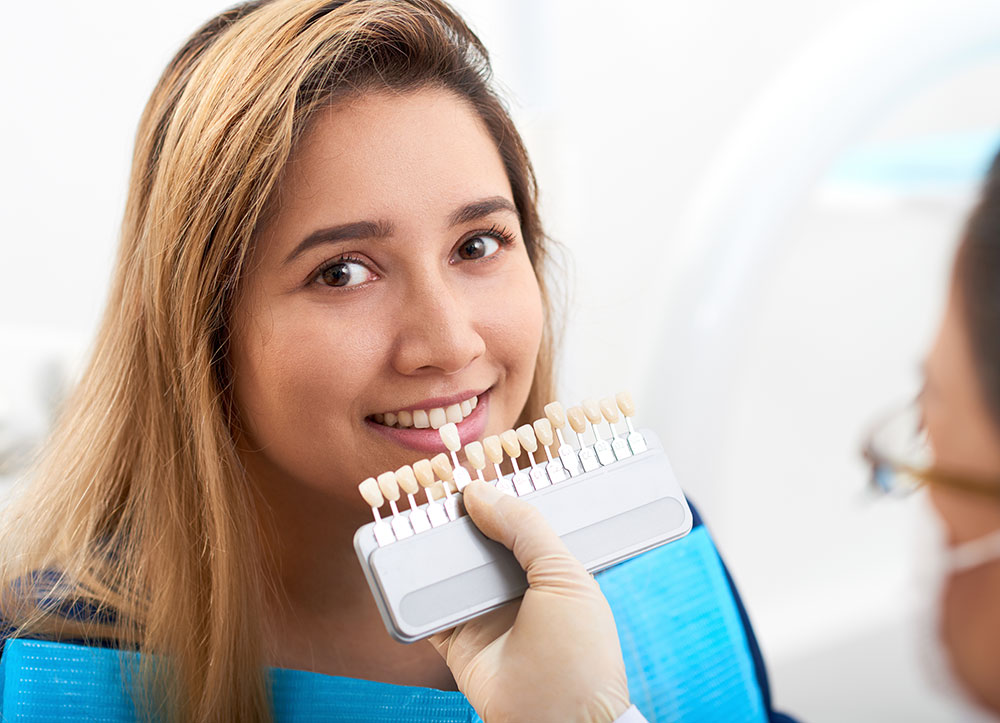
{"x":936,"y":562}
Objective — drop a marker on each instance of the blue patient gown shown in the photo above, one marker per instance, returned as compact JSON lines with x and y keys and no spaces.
{"x":689,"y":653}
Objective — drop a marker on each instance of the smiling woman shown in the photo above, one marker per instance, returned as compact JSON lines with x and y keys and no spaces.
{"x":331,"y":246}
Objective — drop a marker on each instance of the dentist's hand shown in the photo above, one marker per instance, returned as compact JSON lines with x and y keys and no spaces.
{"x":552,"y":656}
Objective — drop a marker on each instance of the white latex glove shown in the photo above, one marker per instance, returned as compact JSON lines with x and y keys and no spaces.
{"x":552,"y":656}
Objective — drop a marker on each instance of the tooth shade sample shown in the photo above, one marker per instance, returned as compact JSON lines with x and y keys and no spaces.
{"x":390,"y":488}
{"x":625,"y":403}
{"x":380,"y":418}
{"x":526,"y":436}
{"x":437,"y":418}
{"x":420,"y":420}
{"x":453,"y":413}
{"x":405,"y":419}
{"x":475,"y":454}
{"x":371,"y":493}
{"x":441,"y":466}
{"x":543,"y":431}
{"x":593,"y":410}
{"x":475,"y":402}
{"x":406,"y":479}
{"x":389,"y":419}
{"x":449,"y":435}
{"x":466,"y":408}
{"x":511,"y":445}
{"x":609,"y":409}
{"x":494,"y":449}
{"x":577,"y":420}
{"x":555,"y":414}
{"x":424,"y":472}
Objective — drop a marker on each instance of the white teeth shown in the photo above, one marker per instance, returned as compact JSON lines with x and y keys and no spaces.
{"x":437,"y":417}
{"x":424,"y":418}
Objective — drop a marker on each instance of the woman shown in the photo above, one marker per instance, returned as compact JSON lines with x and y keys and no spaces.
{"x":331,"y":218}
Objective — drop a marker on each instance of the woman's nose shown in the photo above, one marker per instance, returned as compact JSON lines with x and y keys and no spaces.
{"x":438,"y":332}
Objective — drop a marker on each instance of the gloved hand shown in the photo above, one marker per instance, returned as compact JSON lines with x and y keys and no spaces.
{"x":551,"y":656}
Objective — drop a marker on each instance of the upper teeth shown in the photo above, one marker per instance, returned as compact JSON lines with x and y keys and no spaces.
{"x":424,"y":418}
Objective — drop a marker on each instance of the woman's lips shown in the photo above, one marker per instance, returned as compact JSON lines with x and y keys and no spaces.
{"x":429,"y":440}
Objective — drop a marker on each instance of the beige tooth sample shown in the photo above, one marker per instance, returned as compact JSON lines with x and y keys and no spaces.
{"x":407,"y":480}
{"x":609,"y":410}
{"x":543,"y":431}
{"x":466,"y":408}
{"x":388,"y":486}
{"x":437,"y":418}
{"x":577,"y":419}
{"x":405,"y":419}
{"x":420,"y":420}
{"x":592,"y":410}
{"x":380,"y":418}
{"x":371,"y":493}
{"x":453,"y":413}
{"x":449,"y":435}
{"x":494,"y":449}
{"x":476,"y":455}
{"x":475,"y":402}
{"x":526,"y":436}
{"x":442,"y":466}
{"x":625,"y":403}
{"x":510,"y":443}
{"x":555,"y":414}
{"x":389,"y":419}
{"x":424,"y":472}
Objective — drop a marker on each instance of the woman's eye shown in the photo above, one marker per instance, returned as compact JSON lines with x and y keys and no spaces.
{"x":478,"y":247}
{"x":345,"y":273}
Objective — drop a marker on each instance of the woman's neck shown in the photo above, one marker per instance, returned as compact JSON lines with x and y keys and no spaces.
{"x":322,"y":616}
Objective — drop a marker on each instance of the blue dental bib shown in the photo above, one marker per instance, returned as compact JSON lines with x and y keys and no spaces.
{"x":682,"y":634}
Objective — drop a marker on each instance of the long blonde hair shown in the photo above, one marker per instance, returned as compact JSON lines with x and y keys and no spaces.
{"x":139,"y":526}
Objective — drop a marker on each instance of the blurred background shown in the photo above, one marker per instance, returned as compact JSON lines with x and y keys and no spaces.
{"x":758,"y":204}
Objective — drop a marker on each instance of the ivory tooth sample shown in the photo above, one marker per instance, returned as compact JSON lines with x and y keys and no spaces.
{"x":452,"y":442}
{"x":526,"y":436}
{"x":372,"y":496}
{"x":494,"y":453}
{"x":619,"y":445}
{"x":408,"y":483}
{"x":602,"y":447}
{"x":578,"y":422}
{"x":557,"y":418}
{"x":635,"y":440}
{"x":477,"y":458}
{"x":425,"y":476}
{"x":554,"y":469}
{"x":390,"y":490}
{"x":512,"y":446}
{"x":442,"y":468}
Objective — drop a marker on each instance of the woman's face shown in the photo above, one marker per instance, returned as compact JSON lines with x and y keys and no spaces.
{"x":390,"y":281}
{"x":966,"y":441}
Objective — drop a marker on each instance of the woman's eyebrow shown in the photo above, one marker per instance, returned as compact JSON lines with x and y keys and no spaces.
{"x":482,"y":208}
{"x":345,"y":231}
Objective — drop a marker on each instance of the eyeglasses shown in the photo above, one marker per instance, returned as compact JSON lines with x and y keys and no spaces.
{"x":902,"y":459}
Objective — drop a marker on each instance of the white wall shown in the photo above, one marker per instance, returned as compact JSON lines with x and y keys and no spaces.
{"x":626,"y":108}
